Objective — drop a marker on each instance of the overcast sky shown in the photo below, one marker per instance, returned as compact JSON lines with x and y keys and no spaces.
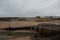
{"x":20,"y":8}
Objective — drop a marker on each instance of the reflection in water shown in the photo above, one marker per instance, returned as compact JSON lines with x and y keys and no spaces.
{"x":15,"y":37}
{"x":4,"y":37}
{"x":28,"y":37}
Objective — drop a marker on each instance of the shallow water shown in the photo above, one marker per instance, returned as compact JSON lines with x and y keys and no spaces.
{"x":2,"y":37}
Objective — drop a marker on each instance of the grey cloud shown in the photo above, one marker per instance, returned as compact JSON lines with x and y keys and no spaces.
{"x":29,"y":8}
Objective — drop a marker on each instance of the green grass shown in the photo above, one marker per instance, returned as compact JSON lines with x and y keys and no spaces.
{"x":16,"y":33}
{"x":44,"y":33}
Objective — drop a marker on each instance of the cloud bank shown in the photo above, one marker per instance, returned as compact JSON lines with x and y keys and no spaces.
{"x":29,"y":8}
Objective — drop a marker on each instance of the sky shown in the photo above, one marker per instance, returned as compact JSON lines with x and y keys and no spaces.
{"x":29,"y":8}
